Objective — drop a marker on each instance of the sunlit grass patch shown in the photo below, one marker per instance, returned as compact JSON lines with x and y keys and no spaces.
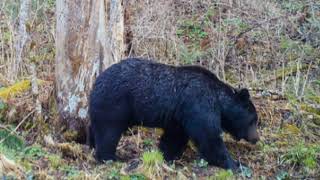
{"x":303,"y":155}
{"x":223,"y":175}
{"x":152,"y":162}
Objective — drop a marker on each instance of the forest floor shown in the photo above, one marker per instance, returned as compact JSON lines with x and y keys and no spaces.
{"x":286,"y":150}
{"x":271,"y":47}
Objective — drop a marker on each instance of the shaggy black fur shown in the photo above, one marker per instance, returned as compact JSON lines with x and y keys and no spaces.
{"x":187,"y":102}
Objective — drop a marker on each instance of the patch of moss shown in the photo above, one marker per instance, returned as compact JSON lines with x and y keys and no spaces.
{"x":17,"y":88}
{"x":70,"y":135}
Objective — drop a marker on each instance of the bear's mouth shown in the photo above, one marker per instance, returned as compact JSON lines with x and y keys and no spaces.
{"x":245,"y":139}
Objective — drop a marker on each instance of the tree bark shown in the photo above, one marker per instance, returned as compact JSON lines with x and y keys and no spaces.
{"x":21,"y":39}
{"x":89,"y":38}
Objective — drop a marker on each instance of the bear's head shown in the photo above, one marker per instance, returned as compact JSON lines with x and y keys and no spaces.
{"x":240,"y":118}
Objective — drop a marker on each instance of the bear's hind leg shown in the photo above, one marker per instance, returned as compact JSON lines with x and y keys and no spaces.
{"x":173,"y":142}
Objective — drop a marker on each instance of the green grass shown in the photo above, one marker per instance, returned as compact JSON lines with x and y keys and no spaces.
{"x":303,"y":155}
{"x":11,"y":145}
{"x":223,"y":175}
{"x":152,"y":158}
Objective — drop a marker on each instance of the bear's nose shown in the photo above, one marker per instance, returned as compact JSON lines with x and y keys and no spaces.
{"x":253,"y":136}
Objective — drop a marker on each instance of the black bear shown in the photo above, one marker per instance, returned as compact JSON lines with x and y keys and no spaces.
{"x":188,"y":102}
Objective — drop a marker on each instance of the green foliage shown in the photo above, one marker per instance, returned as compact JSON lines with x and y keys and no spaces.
{"x":201,"y":163}
{"x":312,"y":94}
{"x":2,"y":105}
{"x":34,"y":152}
{"x":191,"y":29}
{"x":55,"y":161}
{"x":10,"y":140}
{"x":114,"y":174}
{"x":148,"y":142}
{"x":209,"y":14}
{"x":3,"y":108}
{"x":302,"y":154}
{"x":267,"y":147}
{"x":11,"y":8}
{"x":152,"y":158}
{"x":237,"y":22}
{"x":41,"y":6}
{"x":7,"y":37}
{"x":296,"y":48}
{"x":193,"y":32}
{"x":189,"y":55}
{"x":11,"y":144}
{"x":77,"y":175}
{"x":288,"y":44}
{"x":292,"y":6}
{"x":282,"y":175}
{"x":223,"y":175}
{"x":133,"y":177}
{"x":70,"y":171}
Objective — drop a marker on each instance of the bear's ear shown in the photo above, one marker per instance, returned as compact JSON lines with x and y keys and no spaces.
{"x":244,"y":94}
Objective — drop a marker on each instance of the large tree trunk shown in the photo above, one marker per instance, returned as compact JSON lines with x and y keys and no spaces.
{"x":89,"y":38}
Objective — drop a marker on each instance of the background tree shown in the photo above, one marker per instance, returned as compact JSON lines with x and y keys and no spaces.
{"x":89,"y":38}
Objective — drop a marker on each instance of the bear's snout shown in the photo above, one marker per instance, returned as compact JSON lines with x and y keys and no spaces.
{"x":254,"y":141}
{"x":253,"y":136}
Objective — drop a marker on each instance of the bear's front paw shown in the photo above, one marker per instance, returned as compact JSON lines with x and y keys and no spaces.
{"x":102,"y":158}
{"x":169,"y":158}
{"x":231,"y":165}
